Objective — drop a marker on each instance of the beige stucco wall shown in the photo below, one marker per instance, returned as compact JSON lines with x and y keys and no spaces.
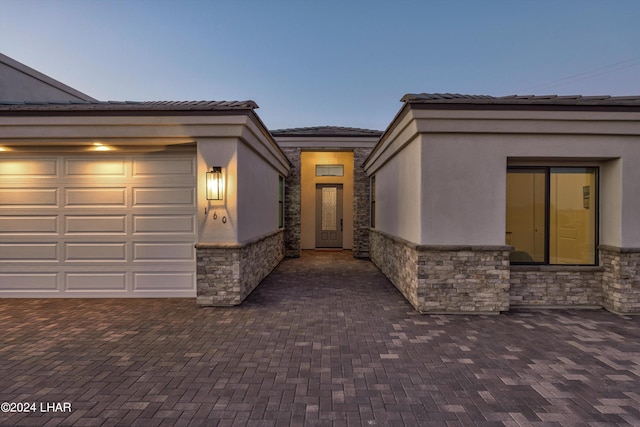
{"x":251,"y":166}
{"x":464,"y":156}
{"x":250,"y":200}
{"x":309,"y":160}
{"x":463,"y":193}
{"x":211,"y":228}
{"x":257,"y":195}
{"x":465,"y":197}
{"x":611,"y":203}
{"x":630,"y":221}
{"x":399,"y":194}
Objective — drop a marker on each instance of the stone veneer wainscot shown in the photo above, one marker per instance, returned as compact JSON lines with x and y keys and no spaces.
{"x":445,"y":279}
{"x":621,"y":279}
{"x":556,"y":286}
{"x":228,"y":273}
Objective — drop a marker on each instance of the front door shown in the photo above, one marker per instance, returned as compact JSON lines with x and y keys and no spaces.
{"x":329,"y":216}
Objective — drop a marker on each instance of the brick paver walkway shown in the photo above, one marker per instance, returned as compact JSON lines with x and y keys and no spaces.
{"x":325,"y":340}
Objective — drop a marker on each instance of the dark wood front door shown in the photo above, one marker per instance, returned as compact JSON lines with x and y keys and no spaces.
{"x":329,"y":219}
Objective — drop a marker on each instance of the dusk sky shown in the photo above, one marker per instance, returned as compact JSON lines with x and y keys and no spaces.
{"x":326,"y":62}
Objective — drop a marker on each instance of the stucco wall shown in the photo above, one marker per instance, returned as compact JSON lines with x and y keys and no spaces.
{"x":251,"y":165}
{"x":257,"y":195}
{"x":399,"y":194}
{"x":464,"y":157}
{"x":218,"y":152}
{"x":464,"y":198}
{"x":630,"y":212}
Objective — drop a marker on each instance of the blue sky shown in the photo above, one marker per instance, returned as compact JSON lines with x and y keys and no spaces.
{"x":326,"y":62}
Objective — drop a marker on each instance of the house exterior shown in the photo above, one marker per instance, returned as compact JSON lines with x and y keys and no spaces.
{"x":468,"y":204}
{"x":109,"y":199}
{"x":484,"y":203}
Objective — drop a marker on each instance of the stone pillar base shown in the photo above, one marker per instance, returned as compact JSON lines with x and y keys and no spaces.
{"x":621,"y":279}
{"x":445,"y":279}
{"x":228,"y":273}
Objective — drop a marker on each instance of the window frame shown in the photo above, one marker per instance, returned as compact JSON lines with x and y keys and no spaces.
{"x":547,"y":169}
{"x":281,"y":190}
{"x":329,"y":168}
{"x":372,"y":201}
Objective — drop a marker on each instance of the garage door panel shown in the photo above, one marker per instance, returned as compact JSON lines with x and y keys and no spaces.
{"x":28,"y":197}
{"x":113,"y":225}
{"x":160,"y":168}
{"x":163,"y":251}
{"x":159,"y":197}
{"x":96,"y":252}
{"x":29,"y":282}
{"x":163,"y":224}
{"x":165,"y":281}
{"x":95,"y":167}
{"x":96,"y":281}
{"x":95,"y":224}
{"x":28,"y":252}
{"x":24,"y":168}
{"x":95,"y":196}
{"x":35,"y":224}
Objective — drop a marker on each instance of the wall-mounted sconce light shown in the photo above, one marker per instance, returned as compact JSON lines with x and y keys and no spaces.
{"x":214,"y":183}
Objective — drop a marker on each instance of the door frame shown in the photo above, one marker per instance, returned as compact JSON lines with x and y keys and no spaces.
{"x":339,"y":241}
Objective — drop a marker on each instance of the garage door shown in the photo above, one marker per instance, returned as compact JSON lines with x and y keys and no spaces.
{"x":98,"y":226}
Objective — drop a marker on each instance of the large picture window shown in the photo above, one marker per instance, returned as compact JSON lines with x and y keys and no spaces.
{"x":552,"y":215}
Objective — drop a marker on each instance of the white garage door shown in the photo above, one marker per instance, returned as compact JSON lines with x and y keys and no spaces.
{"x":98,"y":226}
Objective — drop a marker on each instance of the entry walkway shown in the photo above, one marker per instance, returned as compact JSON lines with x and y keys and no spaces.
{"x":324,"y":340}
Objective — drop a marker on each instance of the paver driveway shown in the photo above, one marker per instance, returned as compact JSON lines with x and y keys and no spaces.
{"x":325,"y":340}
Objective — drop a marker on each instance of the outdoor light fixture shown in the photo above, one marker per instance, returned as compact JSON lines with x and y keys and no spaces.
{"x":214,"y":183}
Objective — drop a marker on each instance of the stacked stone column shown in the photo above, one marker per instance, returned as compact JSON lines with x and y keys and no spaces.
{"x":292,"y":203}
{"x":621,"y":279}
{"x":228,"y":273}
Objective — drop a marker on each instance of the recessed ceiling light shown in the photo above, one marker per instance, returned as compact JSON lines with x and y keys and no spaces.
{"x":97,"y":146}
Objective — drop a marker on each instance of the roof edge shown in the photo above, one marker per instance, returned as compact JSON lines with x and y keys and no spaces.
{"x":128,"y":106}
{"x":542,"y":100}
{"x":326,"y":131}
